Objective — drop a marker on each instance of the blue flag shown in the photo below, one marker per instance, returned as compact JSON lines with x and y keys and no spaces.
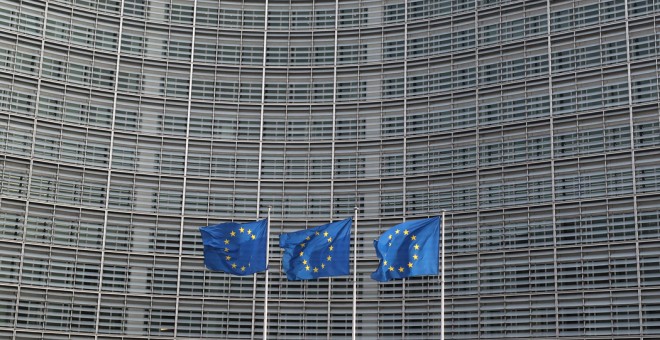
{"x":317,"y":252}
{"x":408,"y":249}
{"x":236,"y":248}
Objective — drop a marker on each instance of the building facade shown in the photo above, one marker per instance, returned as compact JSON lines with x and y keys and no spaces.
{"x":125,"y":125}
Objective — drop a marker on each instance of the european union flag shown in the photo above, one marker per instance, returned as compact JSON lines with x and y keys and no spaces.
{"x":408,"y":249}
{"x":317,"y":252}
{"x":236,"y":248}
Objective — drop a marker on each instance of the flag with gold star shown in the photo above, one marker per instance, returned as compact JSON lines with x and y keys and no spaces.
{"x":408,"y":249}
{"x":236,"y":248}
{"x":317,"y":252}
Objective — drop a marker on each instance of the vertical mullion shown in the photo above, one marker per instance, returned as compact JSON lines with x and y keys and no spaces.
{"x":29,"y":175}
{"x":405,"y":149}
{"x":633,"y":169}
{"x":332,"y":152}
{"x":476,"y":156}
{"x":552,"y":167}
{"x":185,"y":169}
{"x":110,"y":155}
{"x":261,"y":140}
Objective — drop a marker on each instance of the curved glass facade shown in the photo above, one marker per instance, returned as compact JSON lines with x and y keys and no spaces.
{"x":127,"y":124}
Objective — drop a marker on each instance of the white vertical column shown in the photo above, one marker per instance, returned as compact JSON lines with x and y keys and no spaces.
{"x":261,"y":144}
{"x":355,"y":245}
{"x":185,"y":167}
{"x":110,"y":155}
{"x":332,"y":159}
{"x":334,"y":110}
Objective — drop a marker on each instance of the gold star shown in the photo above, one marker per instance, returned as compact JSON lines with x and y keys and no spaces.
{"x":243,"y":268}
{"x":249,"y":231}
{"x":416,"y":247}
{"x":226,"y":250}
{"x":325,"y":234}
{"x":316,"y":233}
{"x":390,"y":237}
{"x":385,"y":262}
{"x":397,"y":231}
{"x":302,"y":253}
{"x":405,"y":232}
{"x":233,"y":265}
{"x":330,"y":239}
{"x":226,"y":241}
{"x":329,"y":258}
{"x":401,"y":269}
{"x":307,"y":267}
{"x":409,"y":264}
{"x":302,"y":245}
{"x":331,"y":248}
{"x":413,"y":237}
{"x":228,"y":257}
{"x":308,"y":238}
{"x":389,"y":244}
{"x":415,"y":257}
{"x":233,"y":233}
{"x":253,"y":237}
{"x":391,"y":268}
{"x":316,"y":270}
{"x":304,"y":261}
{"x":241,"y":230}
{"x":322,"y":265}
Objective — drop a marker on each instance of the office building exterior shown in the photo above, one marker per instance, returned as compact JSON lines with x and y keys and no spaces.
{"x":125,"y":125}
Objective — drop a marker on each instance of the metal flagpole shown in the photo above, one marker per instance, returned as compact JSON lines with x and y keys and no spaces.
{"x":355,"y":244}
{"x":266,"y":286}
{"x":442,"y":277}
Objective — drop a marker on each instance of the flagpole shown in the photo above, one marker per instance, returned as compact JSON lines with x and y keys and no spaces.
{"x":266,"y":286}
{"x":355,"y":244}
{"x":442,"y":277}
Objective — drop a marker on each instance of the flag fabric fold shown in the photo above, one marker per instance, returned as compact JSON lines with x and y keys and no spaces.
{"x":236,"y":248}
{"x":408,"y":249}
{"x":322,"y":251}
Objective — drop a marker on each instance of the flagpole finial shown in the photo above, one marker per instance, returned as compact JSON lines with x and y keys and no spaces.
{"x":355,"y":208}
